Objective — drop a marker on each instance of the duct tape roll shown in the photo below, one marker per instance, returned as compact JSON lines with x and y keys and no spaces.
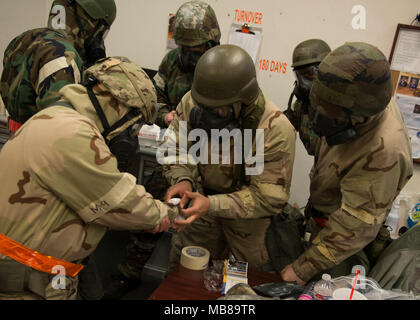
{"x":195,"y":258}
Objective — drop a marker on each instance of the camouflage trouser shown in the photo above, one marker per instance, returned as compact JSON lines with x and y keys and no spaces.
{"x":138,"y":251}
{"x":141,"y":244}
{"x":244,"y":238}
{"x":398,"y":266}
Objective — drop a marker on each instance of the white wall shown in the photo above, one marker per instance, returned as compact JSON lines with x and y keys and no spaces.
{"x":140,"y":31}
{"x":17,"y":16}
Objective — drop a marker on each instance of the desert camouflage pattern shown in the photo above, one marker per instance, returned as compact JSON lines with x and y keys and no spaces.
{"x":298,"y":116}
{"x":195,"y":24}
{"x":356,"y":77}
{"x":353,"y":185}
{"x":36,"y":65}
{"x":129,"y":86}
{"x":171,"y":85}
{"x":310,"y":51}
{"x":66,"y":191}
{"x":239,"y":213}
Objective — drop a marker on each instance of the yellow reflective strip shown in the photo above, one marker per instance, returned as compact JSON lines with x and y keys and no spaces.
{"x":364,"y":215}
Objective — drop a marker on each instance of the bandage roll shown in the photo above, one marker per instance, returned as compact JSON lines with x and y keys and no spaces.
{"x":195,"y":258}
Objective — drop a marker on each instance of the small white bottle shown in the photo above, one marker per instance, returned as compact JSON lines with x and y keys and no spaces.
{"x":393,"y":219}
{"x":324,"y":287}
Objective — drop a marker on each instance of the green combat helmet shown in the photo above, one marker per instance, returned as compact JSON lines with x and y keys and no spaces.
{"x":310,"y":51}
{"x":355,"y":77}
{"x":225,"y":75}
{"x":99,"y":9}
{"x":196,"y":24}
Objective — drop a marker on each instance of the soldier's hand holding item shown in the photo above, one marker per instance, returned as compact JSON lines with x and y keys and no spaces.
{"x":232,"y":203}
{"x":70,"y":187}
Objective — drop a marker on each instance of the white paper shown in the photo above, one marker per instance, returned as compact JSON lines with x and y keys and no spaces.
{"x":247,"y":41}
{"x":406,"y":55}
{"x":415,"y":142}
{"x":410,"y":110}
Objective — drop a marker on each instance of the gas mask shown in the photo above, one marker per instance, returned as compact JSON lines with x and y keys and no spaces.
{"x":95,"y":45}
{"x":305,"y":78}
{"x":188,"y":59}
{"x":202,"y":118}
{"x":125,"y":145}
{"x":335,"y":131}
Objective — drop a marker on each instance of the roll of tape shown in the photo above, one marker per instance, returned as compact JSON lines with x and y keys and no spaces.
{"x":195,"y":258}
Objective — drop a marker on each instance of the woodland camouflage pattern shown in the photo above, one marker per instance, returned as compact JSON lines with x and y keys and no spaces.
{"x":356,"y":77}
{"x":28,"y":88}
{"x":239,"y":215}
{"x":355,"y":183}
{"x":67,"y":191}
{"x":195,"y":24}
{"x":24,"y":90}
{"x":72,"y":30}
{"x":171,"y":84}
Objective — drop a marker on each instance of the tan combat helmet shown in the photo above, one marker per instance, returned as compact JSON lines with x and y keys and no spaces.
{"x":129,"y":85}
{"x":356,"y":76}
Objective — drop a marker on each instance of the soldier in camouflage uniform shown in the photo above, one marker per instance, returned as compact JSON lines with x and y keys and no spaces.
{"x":232,"y":211}
{"x":39,"y":62}
{"x":59,"y":200}
{"x":362,"y":163}
{"x":306,"y":58}
{"x":196,"y":30}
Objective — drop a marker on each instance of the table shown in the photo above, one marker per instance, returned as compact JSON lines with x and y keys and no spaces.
{"x":185,"y":284}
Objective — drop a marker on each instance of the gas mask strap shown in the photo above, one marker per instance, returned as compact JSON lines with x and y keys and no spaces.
{"x":89,"y":83}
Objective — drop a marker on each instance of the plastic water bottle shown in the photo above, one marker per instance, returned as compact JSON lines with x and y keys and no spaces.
{"x":308,"y":293}
{"x":324,"y":287}
{"x":414,"y":215}
{"x":393,"y":219}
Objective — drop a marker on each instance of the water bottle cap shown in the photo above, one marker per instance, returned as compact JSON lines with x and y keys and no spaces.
{"x":326,"y":277}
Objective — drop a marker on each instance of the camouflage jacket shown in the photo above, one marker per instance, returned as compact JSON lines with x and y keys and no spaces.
{"x":300,"y":120}
{"x":259,"y":195}
{"x":60,"y":197}
{"x":171,"y":84}
{"x":36,"y":65}
{"x":353,"y":185}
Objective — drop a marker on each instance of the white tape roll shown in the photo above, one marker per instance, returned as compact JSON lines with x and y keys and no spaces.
{"x":195,"y":258}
